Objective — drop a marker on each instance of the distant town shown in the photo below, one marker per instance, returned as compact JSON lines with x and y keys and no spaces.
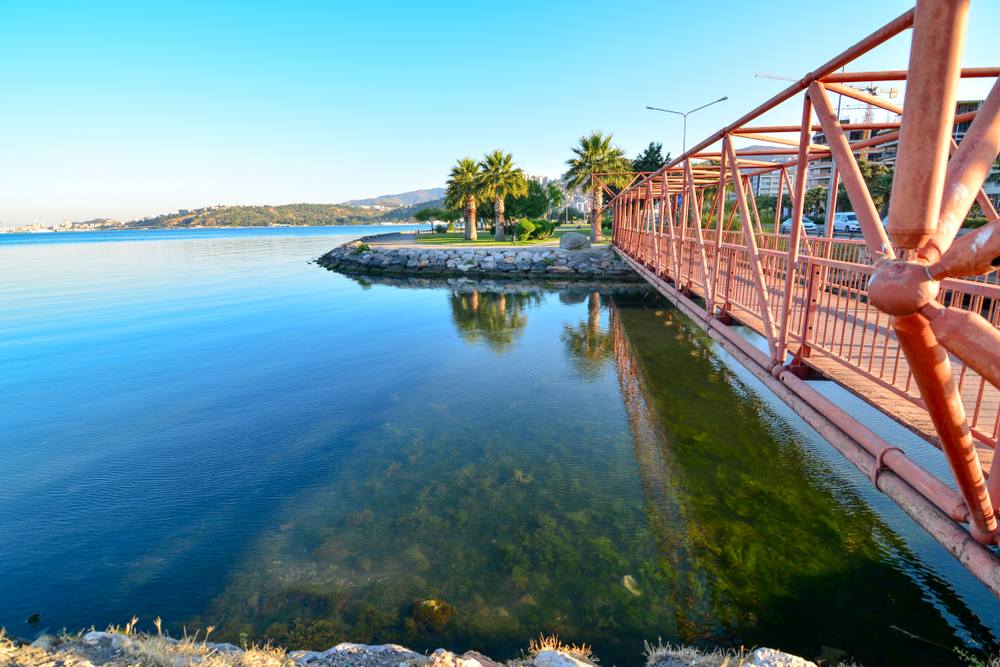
{"x":383,"y":210}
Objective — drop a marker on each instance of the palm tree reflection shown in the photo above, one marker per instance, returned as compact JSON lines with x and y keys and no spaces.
{"x":494,"y":319}
{"x":590,"y":349}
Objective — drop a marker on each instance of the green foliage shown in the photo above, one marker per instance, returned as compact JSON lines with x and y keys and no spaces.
{"x":596,"y":155}
{"x":451,"y":226}
{"x":543,"y":229}
{"x":651,"y":159}
{"x":500,"y":178}
{"x":815,"y":199}
{"x":555,"y":196}
{"x":878,"y":178}
{"x":363,"y":247}
{"x":769,"y":202}
{"x":523,"y":230}
{"x":427,"y":214}
{"x":441,"y":229}
{"x":532,"y":205}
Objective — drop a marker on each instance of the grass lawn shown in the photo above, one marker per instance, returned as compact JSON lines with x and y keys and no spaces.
{"x":486,"y":239}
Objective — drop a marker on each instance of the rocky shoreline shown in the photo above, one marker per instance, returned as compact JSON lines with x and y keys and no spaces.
{"x":544,"y":262}
{"x":127,"y":648}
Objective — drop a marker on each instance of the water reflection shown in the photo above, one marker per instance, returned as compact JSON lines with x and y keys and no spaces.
{"x":494,"y":319}
{"x":667,"y":498}
{"x":590,"y":348}
{"x":760,"y":541}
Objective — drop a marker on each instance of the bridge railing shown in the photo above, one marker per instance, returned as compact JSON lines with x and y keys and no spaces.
{"x":906,"y":317}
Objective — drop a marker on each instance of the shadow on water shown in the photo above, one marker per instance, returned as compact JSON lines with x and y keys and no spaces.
{"x":676,"y":504}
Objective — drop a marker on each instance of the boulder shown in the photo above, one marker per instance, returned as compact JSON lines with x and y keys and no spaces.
{"x":558,"y":658}
{"x":47,"y":641}
{"x":768,"y":657}
{"x":573,"y":241}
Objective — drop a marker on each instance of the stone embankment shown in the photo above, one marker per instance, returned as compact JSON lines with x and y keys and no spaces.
{"x":493,"y":262}
{"x":116,"y":649}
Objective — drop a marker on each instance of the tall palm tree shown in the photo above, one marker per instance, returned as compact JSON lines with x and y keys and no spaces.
{"x":500,"y":179}
{"x":596,"y":155}
{"x":463,"y":186}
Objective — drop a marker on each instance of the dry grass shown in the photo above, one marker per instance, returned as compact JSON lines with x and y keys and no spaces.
{"x":147,"y":650}
{"x":695,"y":657}
{"x":582,"y":653}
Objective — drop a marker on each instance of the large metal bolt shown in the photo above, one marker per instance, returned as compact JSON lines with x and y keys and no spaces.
{"x":902,"y":288}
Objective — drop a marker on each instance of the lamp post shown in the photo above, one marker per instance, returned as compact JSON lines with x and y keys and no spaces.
{"x":685,"y":115}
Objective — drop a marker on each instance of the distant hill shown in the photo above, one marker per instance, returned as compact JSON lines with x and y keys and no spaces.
{"x":286,"y":214}
{"x":403,"y":199}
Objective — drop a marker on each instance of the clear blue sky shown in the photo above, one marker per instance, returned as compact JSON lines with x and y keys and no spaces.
{"x":127,"y":109}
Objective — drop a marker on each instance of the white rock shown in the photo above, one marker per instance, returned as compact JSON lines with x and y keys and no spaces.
{"x":442,"y":658}
{"x":346,"y":647}
{"x":464,"y":267}
{"x":558,"y":659}
{"x":47,"y":642}
{"x":768,"y":657}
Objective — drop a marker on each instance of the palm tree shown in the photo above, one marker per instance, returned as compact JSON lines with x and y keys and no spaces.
{"x":500,"y":179}
{"x":463,"y":186}
{"x":596,"y":155}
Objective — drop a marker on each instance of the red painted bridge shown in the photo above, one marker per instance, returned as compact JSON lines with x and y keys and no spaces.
{"x":906,"y":318}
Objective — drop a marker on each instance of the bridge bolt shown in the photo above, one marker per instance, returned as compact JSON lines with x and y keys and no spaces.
{"x":902,"y":288}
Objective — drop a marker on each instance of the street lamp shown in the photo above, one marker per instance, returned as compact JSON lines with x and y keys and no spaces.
{"x":684,"y":149}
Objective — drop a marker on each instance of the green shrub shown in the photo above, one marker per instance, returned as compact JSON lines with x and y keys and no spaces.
{"x":523,"y":230}
{"x":362,"y":248}
{"x":451,"y":226}
{"x":558,"y":223}
{"x":974,"y":223}
{"x":543,"y":230}
{"x":508,"y":229}
{"x":440,"y":229}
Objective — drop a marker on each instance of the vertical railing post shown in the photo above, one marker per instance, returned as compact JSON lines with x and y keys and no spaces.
{"x":699,"y":238}
{"x":798,"y":202}
{"x":748,"y":234}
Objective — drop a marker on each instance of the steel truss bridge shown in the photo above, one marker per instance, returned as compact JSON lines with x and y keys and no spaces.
{"x":906,"y":318}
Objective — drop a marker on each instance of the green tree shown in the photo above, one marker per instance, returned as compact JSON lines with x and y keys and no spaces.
{"x":428,"y":215}
{"x":871,"y":172}
{"x":534,"y":205}
{"x":501,"y":179}
{"x":462,"y":188}
{"x":881,"y":189}
{"x":556,"y":198}
{"x":815,"y":199}
{"x":650,"y":159}
{"x":596,"y":155}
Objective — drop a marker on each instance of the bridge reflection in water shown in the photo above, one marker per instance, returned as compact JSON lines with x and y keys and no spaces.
{"x":762,"y":534}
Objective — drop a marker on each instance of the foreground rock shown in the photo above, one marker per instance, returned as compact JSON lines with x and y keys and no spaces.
{"x":115,"y":649}
{"x":574,"y":241}
{"x":499,"y":262}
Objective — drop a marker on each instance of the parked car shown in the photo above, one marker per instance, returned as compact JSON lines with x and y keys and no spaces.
{"x":807,"y":224}
{"x":845,"y":222}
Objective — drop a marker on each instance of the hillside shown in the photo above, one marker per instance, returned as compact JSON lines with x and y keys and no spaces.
{"x":402,"y":199}
{"x":287,"y":214}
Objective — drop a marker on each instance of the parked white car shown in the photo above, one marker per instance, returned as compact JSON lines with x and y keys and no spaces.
{"x":807,"y":224}
{"x":845,"y":222}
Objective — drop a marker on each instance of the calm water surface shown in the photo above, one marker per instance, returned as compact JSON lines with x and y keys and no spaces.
{"x":203,"y":426}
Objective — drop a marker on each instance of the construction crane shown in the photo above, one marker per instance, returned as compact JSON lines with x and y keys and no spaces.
{"x":871,"y":89}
